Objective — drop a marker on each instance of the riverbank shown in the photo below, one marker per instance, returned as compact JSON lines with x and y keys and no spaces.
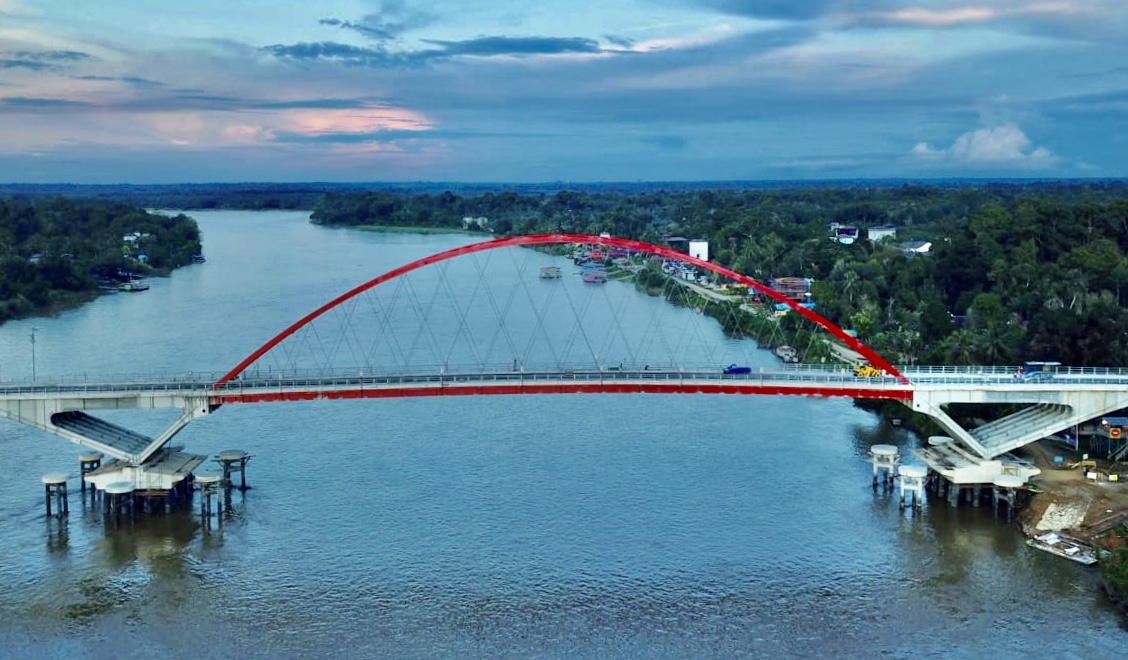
{"x":396,"y":229}
{"x":1070,"y":501}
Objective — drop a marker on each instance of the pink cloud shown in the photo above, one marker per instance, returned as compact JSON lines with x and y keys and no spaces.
{"x":974,"y":14}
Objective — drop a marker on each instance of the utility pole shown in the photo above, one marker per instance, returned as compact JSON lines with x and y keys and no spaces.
{"x":33,"y":329}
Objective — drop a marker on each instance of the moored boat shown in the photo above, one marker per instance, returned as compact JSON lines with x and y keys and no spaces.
{"x":133,"y":285}
{"x":550,"y":272}
{"x":787,"y":353}
{"x":595,"y":276}
{"x":1064,"y":546}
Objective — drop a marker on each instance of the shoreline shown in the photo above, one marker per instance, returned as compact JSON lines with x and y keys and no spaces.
{"x":396,"y":229}
{"x":1070,"y":502}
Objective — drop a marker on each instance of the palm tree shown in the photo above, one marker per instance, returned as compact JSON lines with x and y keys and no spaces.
{"x":959,"y":347}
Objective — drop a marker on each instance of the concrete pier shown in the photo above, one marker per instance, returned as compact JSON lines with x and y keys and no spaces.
{"x":232,"y":461}
{"x":912,"y":481}
{"x":1005,"y":490}
{"x":209,"y":485}
{"x":87,"y":463}
{"x":55,"y":488}
{"x":957,"y":471}
{"x":118,"y":501}
{"x":885,"y":459}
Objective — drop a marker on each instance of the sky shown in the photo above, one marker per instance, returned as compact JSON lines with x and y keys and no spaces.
{"x":156,"y":91}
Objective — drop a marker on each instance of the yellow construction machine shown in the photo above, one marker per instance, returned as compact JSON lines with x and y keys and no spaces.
{"x":863,"y":369}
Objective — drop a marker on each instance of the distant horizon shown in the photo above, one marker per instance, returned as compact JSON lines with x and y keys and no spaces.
{"x":485,"y":91}
{"x":643,"y":182}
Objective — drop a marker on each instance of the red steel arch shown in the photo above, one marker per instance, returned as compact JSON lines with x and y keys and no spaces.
{"x":553,"y":239}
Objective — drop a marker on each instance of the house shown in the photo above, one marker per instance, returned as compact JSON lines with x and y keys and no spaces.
{"x":475,"y":223}
{"x":880,"y":232}
{"x":796,"y":288}
{"x":845,"y":234}
{"x":916,"y":247}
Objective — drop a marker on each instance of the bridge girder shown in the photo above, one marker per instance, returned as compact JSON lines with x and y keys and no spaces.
{"x":67,"y":418}
{"x":1048,"y":409}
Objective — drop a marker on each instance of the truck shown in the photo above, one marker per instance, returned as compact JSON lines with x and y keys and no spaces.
{"x":863,"y":369}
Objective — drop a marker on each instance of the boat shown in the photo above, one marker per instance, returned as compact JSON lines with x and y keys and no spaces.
{"x":1064,"y":546}
{"x":133,"y":285}
{"x":787,"y":353}
{"x":550,"y":272}
{"x":595,"y":276}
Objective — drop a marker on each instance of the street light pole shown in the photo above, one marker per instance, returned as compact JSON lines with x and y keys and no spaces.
{"x":33,"y":329}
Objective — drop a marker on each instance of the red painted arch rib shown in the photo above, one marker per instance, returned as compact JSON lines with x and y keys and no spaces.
{"x":553,"y":239}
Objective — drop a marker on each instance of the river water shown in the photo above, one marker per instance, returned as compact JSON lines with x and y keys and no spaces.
{"x":496,"y":527}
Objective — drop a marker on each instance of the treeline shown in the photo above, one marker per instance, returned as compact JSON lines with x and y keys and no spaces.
{"x":235,"y":196}
{"x":1015,"y":272}
{"x":55,"y":252}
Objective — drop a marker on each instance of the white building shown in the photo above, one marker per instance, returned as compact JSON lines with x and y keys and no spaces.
{"x":875,"y":234}
{"x":699,"y":249}
{"x":916,"y":247}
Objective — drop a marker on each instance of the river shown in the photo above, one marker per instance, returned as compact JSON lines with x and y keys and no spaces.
{"x":579,"y":526}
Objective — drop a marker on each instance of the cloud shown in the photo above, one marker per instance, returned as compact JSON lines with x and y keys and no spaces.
{"x":790,"y":9}
{"x":489,"y":46}
{"x":976,"y":14}
{"x":1005,"y":144}
{"x":331,"y":51}
{"x":323,"y":104}
{"x":621,"y":42}
{"x":131,"y":80}
{"x":393,"y":20}
{"x":41,"y":103}
{"x":52,"y":60}
{"x":380,"y":57}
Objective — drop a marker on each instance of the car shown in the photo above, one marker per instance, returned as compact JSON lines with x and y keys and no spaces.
{"x":733,"y":369}
{"x":1038,"y":371}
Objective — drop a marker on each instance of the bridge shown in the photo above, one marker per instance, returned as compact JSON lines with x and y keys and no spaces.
{"x":500,"y":318}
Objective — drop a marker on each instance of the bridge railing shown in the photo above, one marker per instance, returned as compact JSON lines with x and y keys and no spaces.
{"x":200,"y":383}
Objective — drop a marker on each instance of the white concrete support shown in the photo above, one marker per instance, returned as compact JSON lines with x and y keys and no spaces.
{"x":55,"y":489}
{"x":912,"y":481}
{"x":68,"y":418}
{"x":209,"y":485}
{"x":87,"y":463}
{"x":1005,"y":490}
{"x":1054,"y":405}
{"x":932,"y":408}
{"x":885,"y":459}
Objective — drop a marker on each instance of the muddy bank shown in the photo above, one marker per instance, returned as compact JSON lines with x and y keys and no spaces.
{"x":1069,"y":501}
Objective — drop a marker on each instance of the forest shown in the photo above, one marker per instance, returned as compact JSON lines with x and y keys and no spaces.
{"x":56,"y":252}
{"x":1016,"y":271}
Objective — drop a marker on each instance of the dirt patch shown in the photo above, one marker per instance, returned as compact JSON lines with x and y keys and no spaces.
{"x":1070,"y":501}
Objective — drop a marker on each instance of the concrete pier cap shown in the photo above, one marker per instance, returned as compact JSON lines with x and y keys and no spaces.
{"x":119,"y":488}
{"x":884,"y":450}
{"x":913,"y":471}
{"x":1009,"y":481}
{"x":939,"y":440}
{"x":55,"y":478}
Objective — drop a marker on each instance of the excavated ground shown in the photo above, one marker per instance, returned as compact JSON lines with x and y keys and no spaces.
{"x":1071,"y":502}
